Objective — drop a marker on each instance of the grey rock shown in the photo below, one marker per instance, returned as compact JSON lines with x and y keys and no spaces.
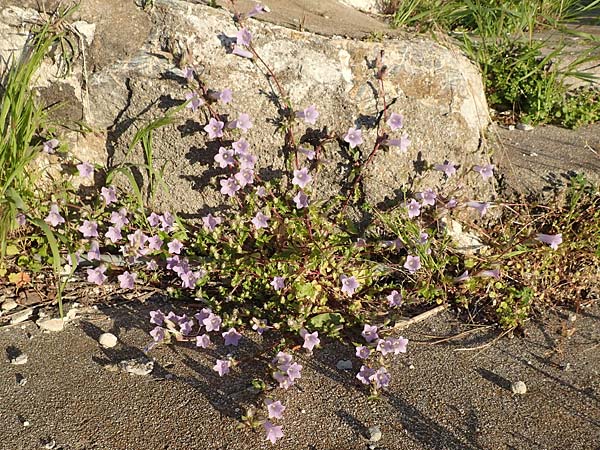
{"x":344,"y":364}
{"x":137,"y":366}
{"x":524,"y":127}
{"x":9,"y":305}
{"x":21,"y":316}
{"x":518,"y":387}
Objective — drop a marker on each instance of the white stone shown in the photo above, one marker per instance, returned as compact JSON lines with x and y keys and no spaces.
{"x":19,"y":360}
{"x":344,"y":364}
{"x":518,"y":387}
{"x":524,"y":127}
{"x":108,"y":340}
{"x":53,"y":325}
{"x":464,"y":242}
{"x":86,"y":30}
{"x":137,"y":366}
{"x":370,"y":6}
{"x":375,"y":434}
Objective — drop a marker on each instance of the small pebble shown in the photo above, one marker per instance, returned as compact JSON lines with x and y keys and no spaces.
{"x":19,"y":360}
{"x":411,"y":367}
{"x":107,"y":340}
{"x":20,"y":379}
{"x":53,"y":325}
{"x":9,"y":305}
{"x":21,"y":316}
{"x":344,"y":364}
{"x":524,"y":127}
{"x":26,"y":423}
{"x":140,"y":366}
{"x":511,"y":127}
{"x":518,"y":387}
{"x":374,"y":434}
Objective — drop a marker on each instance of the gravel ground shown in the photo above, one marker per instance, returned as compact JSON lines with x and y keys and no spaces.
{"x":441,"y":397}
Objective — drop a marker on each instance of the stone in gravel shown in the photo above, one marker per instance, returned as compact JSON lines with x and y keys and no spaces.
{"x":21,"y":316}
{"x":374,"y":434}
{"x":524,"y":127}
{"x":51,"y":324}
{"x":19,"y":360}
{"x":107,"y":340}
{"x":9,"y":305}
{"x":344,"y":364}
{"x":20,"y":379}
{"x":139,"y":366}
{"x":518,"y":387}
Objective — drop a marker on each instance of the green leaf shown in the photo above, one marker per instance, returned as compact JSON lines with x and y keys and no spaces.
{"x":12,"y":250}
{"x":325,"y":320}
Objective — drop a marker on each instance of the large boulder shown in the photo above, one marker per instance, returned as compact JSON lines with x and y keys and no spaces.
{"x":434,"y":86}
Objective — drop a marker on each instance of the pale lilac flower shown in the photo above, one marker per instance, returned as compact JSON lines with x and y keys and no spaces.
{"x":229,"y":186}
{"x":400,"y":345}
{"x":119,"y":218}
{"x":394,"y":299}
{"x":188,"y":73}
{"x":462,"y":277}
{"x":310,"y":339}
{"x":353,"y":137}
{"x":241,"y":147}
{"x":401,"y":143}
{"x":282,"y":360}
{"x":257,"y":9}
{"x":185,"y":327}
{"x":452,"y":203}
{"x":349,"y":285}
{"x":486,"y":171}
{"x":369,"y":332}
{"x":553,"y":240}
{"x":109,"y":194}
{"x":244,"y":37}
{"x":423,"y":238}
{"x":189,"y":278}
{"x":310,"y":154}
{"x":97,"y":275}
{"x":494,"y":273}
{"x":127,"y":280}
{"x":51,"y":146}
{"x":385,"y":346}
{"x":203,"y":314}
{"x":241,"y":51}
{"x":363,"y":352}
{"x":274,"y":409}
{"x":365,"y":374}
{"x":428,"y":197}
{"x":212,"y":322}
{"x":301,"y":177}
{"x":203,"y":341}
{"x":381,"y":378}
{"x":260,"y":326}
{"x":54,"y":218}
{"x":86,"y":170}
{"x":301,"y":200}
{"x":448,"y":168}
{"x":225,"y":96}
{"x":157,"y":317}
{"x":260,"y":220}
{"x":414,"y":208}
{"x":273,"y":432}
{"x":261,"y":192}
{"x":158,"y":334}
{"x":21,"y":219}
{"x":94,"y":251}
{"x":413,"y":263}
{"x":194,"y":101}
{"x":396,"y":244}
{"x":278,"y":283}
{"x":210,"y":222}
{"x":175,"y":247}
{"x":243,"y":122}
{"x":360,"y":243}
{"x":167,"y":222}
{"x":222,"y":367}
{"x":481,"y":207}
{"x":225,"y":157}
{"x":155,"y":242}
{"x":172,"y":262}
{"x":153,"y":219}
{"x":293,"y":371}
{"x":247,"y":161}
{"x":232,"y":337}
{"x":214,"y":128}
{"x":89,"y":228}
{"x":309,"y":114}
{"x":137,"y":239}
{"x":114,"y":234}
{"x":396,"y":121}
{"x":151,"y":265}
{"x":244,"y":177}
